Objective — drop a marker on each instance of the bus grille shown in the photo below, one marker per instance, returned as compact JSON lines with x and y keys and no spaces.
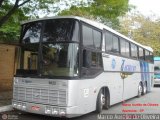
{"x":43,"y":95}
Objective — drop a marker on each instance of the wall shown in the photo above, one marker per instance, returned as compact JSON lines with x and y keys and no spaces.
{"x":7,"y":66}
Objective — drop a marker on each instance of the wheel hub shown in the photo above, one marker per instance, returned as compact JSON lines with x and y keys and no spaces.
{"x":102,"y":99}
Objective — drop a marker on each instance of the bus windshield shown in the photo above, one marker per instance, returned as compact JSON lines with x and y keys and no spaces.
{"x":50,"y":48}
{"x":60,"y":59}
{"x":56,"y":30}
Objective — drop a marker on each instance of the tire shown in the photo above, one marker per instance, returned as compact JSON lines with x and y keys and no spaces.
{"x":140,"y":90}
{"x":144,"y":88}
{"x":100,"y":102}
{"x":107,"y":101}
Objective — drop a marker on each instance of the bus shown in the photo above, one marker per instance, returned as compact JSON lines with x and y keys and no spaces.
{"x":156,"y":70}
{"x":70,"y":66}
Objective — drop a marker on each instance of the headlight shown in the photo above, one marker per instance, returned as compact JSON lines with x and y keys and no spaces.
{"x":48,"y":110}
{"x":55,"y":111}
{"x":24,"y":106}
{"x":14,"y":104}
{"x":19,"y":105}
{"x":62,"y":112}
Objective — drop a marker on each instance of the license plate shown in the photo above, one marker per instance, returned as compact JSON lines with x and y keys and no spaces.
{"x":35,"y":108}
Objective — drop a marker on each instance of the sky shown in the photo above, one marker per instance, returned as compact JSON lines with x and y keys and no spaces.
{"x":147,"y":7}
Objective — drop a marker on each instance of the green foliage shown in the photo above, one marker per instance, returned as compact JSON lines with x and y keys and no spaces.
{"x":9,"y":32}
{"x":145,"y":30}
{"x":106,"y":11}
{"x":12,"y":12}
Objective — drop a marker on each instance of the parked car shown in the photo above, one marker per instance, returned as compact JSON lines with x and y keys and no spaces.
{"x":156,"y":75}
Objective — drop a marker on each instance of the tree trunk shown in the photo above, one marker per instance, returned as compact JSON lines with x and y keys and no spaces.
{"x":7,"y":16}
{"x":3,"y":19}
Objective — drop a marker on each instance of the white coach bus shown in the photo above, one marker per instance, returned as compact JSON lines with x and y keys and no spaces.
{"x":70,"y":66}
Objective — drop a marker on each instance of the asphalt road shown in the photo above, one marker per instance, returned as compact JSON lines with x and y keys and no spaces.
{"x":147,"y":104}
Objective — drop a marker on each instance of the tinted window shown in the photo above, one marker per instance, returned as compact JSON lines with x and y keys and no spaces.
{"x":31,"y":32}
{"x":96,"y":60}
{"x":87,"y":36}
{"x":112,"y":43}
{"x":147,"y":56}
{"x":115,"y":44}
{"x":134,"y":51}
{"x":92,"y":63}
{"x":127,"y":49}
{"x":60,"y":30}
{"x":86,"y":58}
{"x":141,"y":53}
{"x":28,"y":60}
{"x":151,"y":57}
{"x":92,"y":59}
{"x":91,"y":37}
{"x":124,"y":47}
{"x":97,"y":39}
{"x":108,"y":39}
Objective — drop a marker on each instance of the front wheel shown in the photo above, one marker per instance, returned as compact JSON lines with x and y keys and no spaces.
{"x":100,"y":101}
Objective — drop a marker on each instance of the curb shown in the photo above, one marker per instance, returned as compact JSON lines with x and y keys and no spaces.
{"x":6,"y":108}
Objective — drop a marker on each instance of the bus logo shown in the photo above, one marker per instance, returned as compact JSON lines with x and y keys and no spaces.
{"x":126,"y":70}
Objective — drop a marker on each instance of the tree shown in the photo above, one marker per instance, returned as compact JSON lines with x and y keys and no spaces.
{"x":9,"y":32}
{"x":26,"y":6}
{"x":145,"y":30}
{"x":106,"y":11}
{"x":14,"y":11}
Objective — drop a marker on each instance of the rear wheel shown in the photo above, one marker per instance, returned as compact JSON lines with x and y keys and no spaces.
{"x":140,"y":90}
{"x":144,"y":88}
{"x":107,"y":99}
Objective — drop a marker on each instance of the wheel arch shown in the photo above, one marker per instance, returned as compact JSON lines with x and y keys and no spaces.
{"x":107,"y":92}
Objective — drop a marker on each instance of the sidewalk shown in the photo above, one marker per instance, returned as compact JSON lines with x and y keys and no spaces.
{"x":5,"y":101}
{"x":5,"y":98}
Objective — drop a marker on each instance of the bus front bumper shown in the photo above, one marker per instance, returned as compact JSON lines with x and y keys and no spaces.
{"x":48,"y":110}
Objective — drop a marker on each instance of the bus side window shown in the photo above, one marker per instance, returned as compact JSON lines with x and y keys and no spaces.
{"x":147,"y":56}
{"x":112,"y":43}
{"x":92,"y":59}
{"x":86,"y":58}
{"x":87,"y":36}
{"x":125,"y":51}
{"x":151,"y":57}
{"x":141,"y":53}
{"x":97,"y":37}
{"x":134,"y":53}
{"x":92,"y":63}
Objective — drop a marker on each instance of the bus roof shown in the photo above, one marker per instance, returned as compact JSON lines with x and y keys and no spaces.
{"x":157,"y":58}
{"x":93,"y":23}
